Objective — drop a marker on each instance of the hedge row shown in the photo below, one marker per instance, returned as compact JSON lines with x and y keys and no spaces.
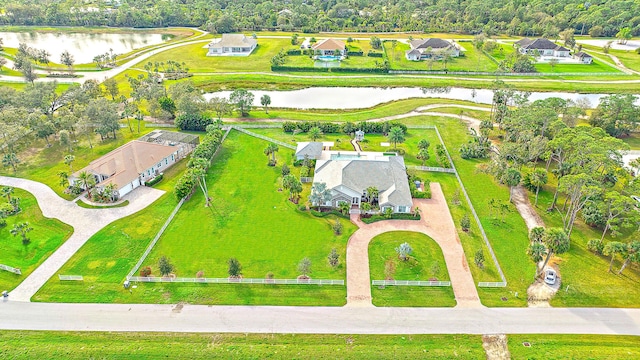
{"x":155,"y":180}
{"x":372,"y":53}
{"x":322,"y":69}
{"x":193,"y":122}
{"x":394,"y":216}
{"x":347,"y":128}
{"x":205,"y":150}
{"x":355,"y":53}
{"x":294,"y":52}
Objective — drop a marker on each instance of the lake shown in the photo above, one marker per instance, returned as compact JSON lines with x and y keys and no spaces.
{"x":364,"y":97}
{"x":83,"y":46}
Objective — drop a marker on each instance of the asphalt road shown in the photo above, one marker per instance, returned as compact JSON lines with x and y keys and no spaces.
{"x":319,"y":320}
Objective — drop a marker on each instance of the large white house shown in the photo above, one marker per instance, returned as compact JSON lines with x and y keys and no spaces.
{"x":232,"y":45}
{"x":541,"y":47}
{"x":329,"y":47}
{"x":423,"y":49}
{"x":348,"y":174}
{"x":138,"y":161}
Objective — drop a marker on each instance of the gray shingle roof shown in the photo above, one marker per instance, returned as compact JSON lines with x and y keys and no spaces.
{"x":311,"y":149}
{"x":540,"y":44}
{"x":234,"y":40}
{"x":433,"y":43}
{"x":582,"y":54}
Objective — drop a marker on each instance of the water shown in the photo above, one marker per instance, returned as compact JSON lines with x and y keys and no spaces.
{"x":328,"y":58}
{"x":364,"y":97}
{"x":83,"y":46}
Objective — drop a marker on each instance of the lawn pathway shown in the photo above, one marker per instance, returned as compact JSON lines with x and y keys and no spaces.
{"x":85,"y":223}
{"x":437,"y":223}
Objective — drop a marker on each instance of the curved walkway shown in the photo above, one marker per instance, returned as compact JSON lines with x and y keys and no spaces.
{"x":437,"y":223}
{"x":85,"y":223}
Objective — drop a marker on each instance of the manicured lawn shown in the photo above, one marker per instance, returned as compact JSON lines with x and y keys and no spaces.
{"x":250,"y":220}
{"x":553,"y":346}
{"x":82,"y":204}
{"x":426,"y":263}
{"x":633,"y":141}
{"x":469,"y":60}
{"x":108,"y":345}
{"x":196,"y":59}
{"x":359,"y":62}
{"x":46,"y":237}
{"x":594,"y":67}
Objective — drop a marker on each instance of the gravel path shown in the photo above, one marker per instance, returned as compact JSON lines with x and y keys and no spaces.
{"x":437,"y":223}
{"x":85,"y":223}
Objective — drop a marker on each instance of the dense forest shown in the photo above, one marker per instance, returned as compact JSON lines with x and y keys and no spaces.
{"x":513,"y":17}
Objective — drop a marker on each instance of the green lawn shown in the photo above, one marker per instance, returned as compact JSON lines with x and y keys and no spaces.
{"x":46,"y":237}
{"x":196,"y":59}
{"x":426,"y":263}
{"x":358,"y":62}
{"x":469,"y":60}
{"x":111,"y":345}
{"x":594,"y":67}
{"x":250,"y":220}
{"x":553,"y":346}
{"x":633,"y":141}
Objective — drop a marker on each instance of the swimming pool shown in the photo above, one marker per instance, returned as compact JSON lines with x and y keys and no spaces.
{"x":329,"y":58}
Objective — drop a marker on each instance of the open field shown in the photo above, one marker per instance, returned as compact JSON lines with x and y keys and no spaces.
{"x":594,"y":67}
{"x":254,"y":223}
{"x":551,"y":346}
{"x":83,"y":345}
{"x":46,"y":237}
{"x":426,"y":263}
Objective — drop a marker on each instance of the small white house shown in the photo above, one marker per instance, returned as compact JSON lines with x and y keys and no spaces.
{"x":583,"y":57}
{"x":232,"y":45}
{"x":423,"y":49}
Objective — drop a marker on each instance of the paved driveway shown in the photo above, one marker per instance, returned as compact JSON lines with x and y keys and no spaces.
{"x":85,"y":223}
{"x":437,"y":223}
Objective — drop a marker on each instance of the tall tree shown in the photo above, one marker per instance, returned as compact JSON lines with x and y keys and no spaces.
{"x":265,"y":100}
{"x":612,"y":249}
{"x":271,"y":150}
{"x":22,"y":229}
{"x":320,"y":194}
{"x":423,"y":154}
{"x":557,"y":242}
{"x":630,"y":254}
{"x":243,"y":100}
{"x":396,"y":135}
{"x":111,"y":87}
{"x":538,"y":179}
{"x":67,"y":59}
{"x":512,"y":178}
{"x":69,"y":159}
{"x":11,"y":159}
{"x":315,"y":133}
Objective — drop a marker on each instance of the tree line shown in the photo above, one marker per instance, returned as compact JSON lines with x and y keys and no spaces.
{"x":514,"y":17}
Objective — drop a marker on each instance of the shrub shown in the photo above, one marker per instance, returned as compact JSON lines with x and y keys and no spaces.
{"x":165,"y":266}
{"x":404,"y":251}
{"x":304,"y":171}
{"x":3,"y":223}
{"x":304,"y":267}
{"x":479,"y":259}
{"x":355,"y":53}
{"x":270,"y":276}
{"x":372,"y":53}
{"x":285,"y":170}
{"x":334,"y":258}
{"x":155,"y":180}
{"x":194,"y":122}
{"x":145,"y":271}
{"x":337,"y":227}
{"x":596,"y":246}
{"x":465,"y":223}
{"x":294,"y":52}
{"x":200,"y":274}
{"x":235,"y":269}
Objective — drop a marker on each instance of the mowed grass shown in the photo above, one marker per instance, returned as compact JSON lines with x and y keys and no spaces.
{"x":249,"y":220}
{"x":46,"y":237}
{"x":196,"y":59}
{"x":554,"y":346}
{"x":469,"y":60}
{"x":594,"y":67}
{"x":426,"y":263}
{"x":108,"y":345}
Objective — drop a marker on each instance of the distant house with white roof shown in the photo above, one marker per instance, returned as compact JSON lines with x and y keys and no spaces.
{"x":232,"y":45}
{"x":423,"y":49}
{"x":542,"y":47}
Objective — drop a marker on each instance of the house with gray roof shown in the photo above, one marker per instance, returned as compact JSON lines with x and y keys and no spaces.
{"x":312,"y":150}
{"x":583,"y":57}
{"x":423,"y":49}
{"x":232,"y":45}
{"x":348,"y":174}
{"x":542,"y":47}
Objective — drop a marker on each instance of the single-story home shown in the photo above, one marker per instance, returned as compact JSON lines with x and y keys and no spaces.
{"x":542,"y":47}
{"x":420,"y":49}
{"x":583,"y":57}
{"x":232,"y":45}
{"x":312,"y":150}
{"x":329,"y":47}
{"x":136,"y":162}
{"x":348,"y":174}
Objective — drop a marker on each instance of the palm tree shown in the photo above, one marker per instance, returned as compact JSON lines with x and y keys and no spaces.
{"x":87,"y":180}
{"x":271,"y":150}
{"x":404,"y":250}
{"x":423,"y":154}
{"x":64,"y":179}
{"x":69,"y":159}
{"x":199,"y":166}
{"x":6,"y":191}
{"x":416,"y":211}
{"x":372,"y":193}
{"x":512,"y":179}
{"x":344,"y":207}
{"x":320,"y":194}
{"x":11,"y":159}
{"x":631,"y":254}
{"x":396,"y":135}
{"x":315,"y":133}
{"x":538,"y":179}
{"x":365,"y":207}
{"x":612,"y":249}
{"x":22,"y":229}
{"x":108,"y":191}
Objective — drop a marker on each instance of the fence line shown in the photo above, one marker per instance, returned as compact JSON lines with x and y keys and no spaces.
{"x":157,"y":279}
{"x":421,"y":127}
{"x":260,"y":126}
{"x":410,"y":283}
{"x":432,"y":169}
{"x":155,"y":239}
{"x":492,"y":284}
{"x":486,"y":73}
{"x":473,"y":211}
{"x":70,"y":278}
{"x":10,"y":269}
{"x":251,"y":133}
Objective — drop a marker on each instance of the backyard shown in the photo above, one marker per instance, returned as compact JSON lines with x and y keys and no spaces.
{"x":469,"y":60}
{"x":426,"y":262}
{"x":47,"y":235}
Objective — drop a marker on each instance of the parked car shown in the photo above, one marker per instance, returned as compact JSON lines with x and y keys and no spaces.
{"x":636,"y":199}
{"x":550,"y":276}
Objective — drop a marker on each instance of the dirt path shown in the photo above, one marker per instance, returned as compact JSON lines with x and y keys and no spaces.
{"x":356,"y":145}
{"x":436,"y":223}
{"x":524,"y":207}
{"x":496,"y":347}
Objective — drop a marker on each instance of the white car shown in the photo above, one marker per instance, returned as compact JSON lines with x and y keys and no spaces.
{"x":550,"y":276}
{"x":636,"y":199}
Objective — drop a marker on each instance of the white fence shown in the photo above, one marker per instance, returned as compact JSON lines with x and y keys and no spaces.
{"x":485,"y":73}
{"x":410,"y":283}
{"x":10,"y":269}
{"x":432,"y":169}
{"x":156,"y":279}
{"x":70,"y":277}
{"x":251,"y":133}
{"x":492,"y":284}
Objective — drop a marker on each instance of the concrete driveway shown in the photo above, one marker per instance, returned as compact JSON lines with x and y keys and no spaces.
{"x":437,"y":223}
{"x":85,"y":223}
